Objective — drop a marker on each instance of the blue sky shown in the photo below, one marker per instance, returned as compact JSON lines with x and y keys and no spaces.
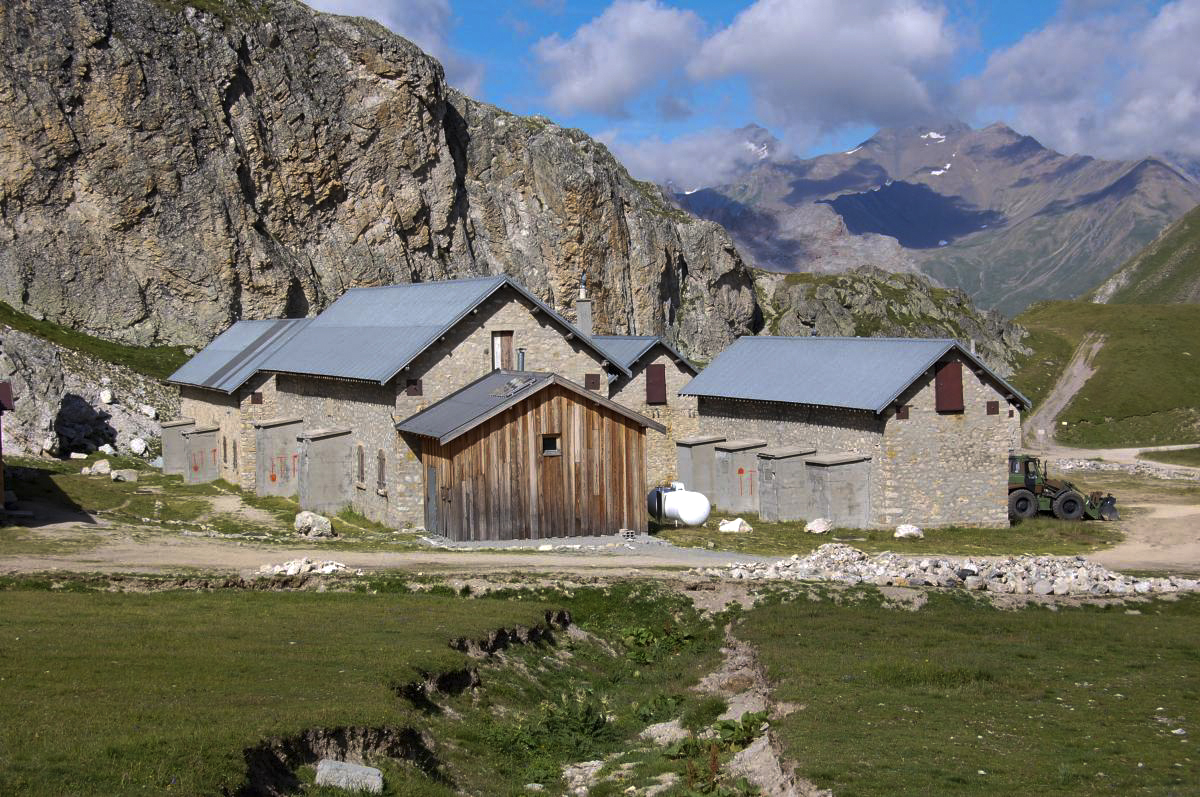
{"x":664,"y":82}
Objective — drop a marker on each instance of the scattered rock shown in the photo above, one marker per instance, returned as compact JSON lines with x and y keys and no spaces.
{"x":78,"y":455}
{"x":85,"y":472}
{"x":149,"y":411}
{"x":125,"y":475}
{"x":581,"y":777}
{"x":351,"y":777}
{"x":106,"y":396}
{"x":907,"y":531}
{"x":304,"y":566}
{"x":189,"y":351}
{"x":138,"y":446}
{"x":101,"y":468}
{"x":665,"y":733}
{"x":314,"y":526}
{"x":820,"y":525}
{"x":545,"y":547}
{"x":1021,"y":575}
{"x":107,"y":450}
{"x":735,"y":526}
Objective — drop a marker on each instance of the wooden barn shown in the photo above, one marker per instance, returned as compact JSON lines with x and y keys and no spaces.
{"x":518,"y":455}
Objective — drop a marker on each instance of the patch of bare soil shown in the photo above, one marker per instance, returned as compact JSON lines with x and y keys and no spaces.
{"x":1073,"y":378}
{"x":1162,"y":537}
{"x":233,"y":505}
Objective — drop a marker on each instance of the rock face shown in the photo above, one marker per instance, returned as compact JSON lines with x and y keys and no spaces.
{"x":58,"y":405}
{"x":183,"y":169}
{"x":869,"y":302}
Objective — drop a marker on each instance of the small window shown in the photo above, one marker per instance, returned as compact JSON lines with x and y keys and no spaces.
{"x":413,"y":388}
{"x":235,"y":453}
{"x":551,"y":445}
{"x":902,"y":412}
{"x":993,"y":408}
{"x":360,"y":470}
{"x":1010,"y":413}
{"x":256,"y":397}
{"x":225,"y":450}
{"x":656,"y":383}
{"x":381,"y":470}
{"x":591,"y":381}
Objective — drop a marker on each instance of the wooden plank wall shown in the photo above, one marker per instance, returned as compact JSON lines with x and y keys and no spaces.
{"x":496,"y":484}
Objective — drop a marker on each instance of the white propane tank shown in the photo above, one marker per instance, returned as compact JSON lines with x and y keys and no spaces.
{"x":675,"y":503}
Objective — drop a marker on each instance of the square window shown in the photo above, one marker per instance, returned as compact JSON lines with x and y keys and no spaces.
{"x":1010,"y":413}
{"x":591,"y":381}
{"x":551,"y":445}
{"x":413,"y":388}
{"x":993,"y":408}
{"x":256,"y":397}
{"x":902,"y":412}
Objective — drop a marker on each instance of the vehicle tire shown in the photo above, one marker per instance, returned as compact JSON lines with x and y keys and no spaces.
{"x":1068,"y":506}
{"x":1022,"y":504}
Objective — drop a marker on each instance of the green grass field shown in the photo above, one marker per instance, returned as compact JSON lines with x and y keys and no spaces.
{"x":1043,"y":535}
{"x":161,"y":693}
{"x":1184,"y":456}
{"x":963,"y":699}
{"x":1147,"y":374}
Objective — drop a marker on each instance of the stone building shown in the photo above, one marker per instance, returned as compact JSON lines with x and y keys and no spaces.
{"x":935,"y":422}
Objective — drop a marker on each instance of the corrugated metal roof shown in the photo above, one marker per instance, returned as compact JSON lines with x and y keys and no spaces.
{"x":628,"y":349}
{"x":490,"y":395}
{"x":236,"y":354}
{"x":373,"y":333}
{"x":855,"y":373}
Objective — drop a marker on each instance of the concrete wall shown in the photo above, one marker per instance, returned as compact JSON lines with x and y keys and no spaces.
{"x":932,"y":469}
{"x":324,"y":479}
{"x":174,"y":450}
{"x":840,"y":492}
{"x":679,"y":414}
{"x":697,"y":465}
{"x":737,"y":476}
{"x":202,"y":450}
{"x":782,"y":489}
{"x":277,"y":456}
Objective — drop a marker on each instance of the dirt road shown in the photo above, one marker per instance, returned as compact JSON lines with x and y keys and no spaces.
{"x":1040,"y":427}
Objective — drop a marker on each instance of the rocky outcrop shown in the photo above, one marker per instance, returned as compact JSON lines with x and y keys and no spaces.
{"x":67,"y":401}
{"x":869,"y":302}
{"x":165,"y":171}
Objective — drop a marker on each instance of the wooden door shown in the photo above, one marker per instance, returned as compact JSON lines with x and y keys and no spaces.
{"x":502,"y":350}
{"x":432,"y":498}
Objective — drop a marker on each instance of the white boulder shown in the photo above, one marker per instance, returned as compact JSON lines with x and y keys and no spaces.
{"x":148,"y":411}
{"x":126,"y":475}
{"x":735,"y":526}
{"x":310,"y":524}
{"x":349,"y":777}
{"x":106,"y":396}
{"x":138,"y":446}
{"x":101,"y":468}
{"x":907,"y":531}
{"x":819,"y":525}
{"x":107,"y":450}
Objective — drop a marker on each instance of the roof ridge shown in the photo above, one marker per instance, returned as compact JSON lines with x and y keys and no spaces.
{"x":459,"y":281}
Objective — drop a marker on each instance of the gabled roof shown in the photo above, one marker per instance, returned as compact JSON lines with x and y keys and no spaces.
{"x":854,"y":373}
{"x":629,"y":349}
{"x":374,"y":333}
{"x":487,"y":397}
{"x":236,"y":354}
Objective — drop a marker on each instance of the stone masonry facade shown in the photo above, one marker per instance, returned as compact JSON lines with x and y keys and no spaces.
{"x":371,"y":411}
{"x":234,"y":416}
{"x":931,"y":469}
{"x":679,"y":414}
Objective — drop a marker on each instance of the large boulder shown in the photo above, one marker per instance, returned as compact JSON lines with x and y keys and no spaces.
{"x":349,"y":777}
{"x":314,"y":526}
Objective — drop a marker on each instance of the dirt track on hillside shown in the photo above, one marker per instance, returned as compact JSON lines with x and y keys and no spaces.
{"x":1073,"y":378}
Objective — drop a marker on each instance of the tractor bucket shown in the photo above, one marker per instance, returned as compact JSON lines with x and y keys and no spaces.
{"x":1108,"y":509}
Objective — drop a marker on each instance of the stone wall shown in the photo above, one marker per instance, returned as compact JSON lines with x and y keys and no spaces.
{"x":235,"y":416}
{"x":679,"y":414}
{"x":942,"y":469}
{"x":371,"y":411}
{"x":931,"y":469}
{"x":214,"y":408}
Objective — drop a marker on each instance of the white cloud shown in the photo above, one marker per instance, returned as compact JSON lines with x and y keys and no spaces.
{"x":814,"y":66}
{"x":426,"y":23}
{"x":693,"y":160}
{"x":616,"y":56}
{"x":1116,"y":83}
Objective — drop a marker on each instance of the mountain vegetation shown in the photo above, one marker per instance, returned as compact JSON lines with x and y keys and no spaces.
{"x":1165,"y":272}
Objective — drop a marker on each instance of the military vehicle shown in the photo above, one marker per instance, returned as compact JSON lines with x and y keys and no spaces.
{"x":1031,"y":491}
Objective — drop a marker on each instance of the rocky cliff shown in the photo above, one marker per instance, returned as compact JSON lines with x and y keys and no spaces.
{"x":165,"y":171}
{"x":870,"y":302}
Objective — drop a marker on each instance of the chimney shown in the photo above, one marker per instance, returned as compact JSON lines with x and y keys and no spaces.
{"x":583,"y":309}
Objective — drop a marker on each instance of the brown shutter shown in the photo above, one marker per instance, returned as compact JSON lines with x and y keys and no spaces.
{"x":902,"y":412}
{"x":993,"y":408}
{"x":591,"y":381}
{"x":413,"y":388}
{"x":256,"y":397}
{"x":948,"y":387}
{"x":656,"y":383}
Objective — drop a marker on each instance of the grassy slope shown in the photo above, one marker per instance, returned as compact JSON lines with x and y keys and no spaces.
{"x":1073,"y":702}
{"x":1168,"y":270}
{"x":160,"y":693}
{"x":156,"y":361}
{"x":1186,"y":456}
{"x":1147,"y":375}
